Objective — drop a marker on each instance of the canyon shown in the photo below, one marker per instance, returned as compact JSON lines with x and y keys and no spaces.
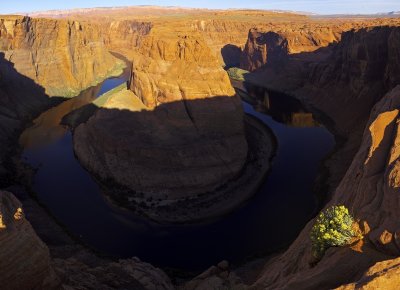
{"x":191,"y":124}
{"x":169,"y":142}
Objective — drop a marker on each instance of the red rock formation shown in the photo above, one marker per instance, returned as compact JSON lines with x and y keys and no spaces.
{"x":370,"y":190}
{"x":41,"y":58}
{"x":122,"y":274}
{"x":188,"y":140}
{"x":383,"y":275}
{"x":124,"y":36}
{"x":345,"y":82}
{"x":262,"y":49}
{"x":62,"y":56}
{"x":363,"y":66}
{"x":24,"y":258}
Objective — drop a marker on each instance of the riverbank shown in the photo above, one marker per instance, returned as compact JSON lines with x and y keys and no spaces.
{"x":252,"y":215}
{"x":203,"y":207}
{"x":212,"y":205}
{"x":329,"y":175}
{"x":115,"y":71}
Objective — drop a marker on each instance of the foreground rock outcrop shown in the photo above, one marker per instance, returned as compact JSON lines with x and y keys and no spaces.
{"x":383,"y":275}
{"x":345,"y":81}
{"x":24,"y":259}
{"x":76,"y":272}
{"x":188,"y":140}
{"x":75,"y":266}
{"x":370,"y":190}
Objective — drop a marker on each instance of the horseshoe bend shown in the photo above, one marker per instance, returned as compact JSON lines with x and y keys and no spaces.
{"x":160,"y":147}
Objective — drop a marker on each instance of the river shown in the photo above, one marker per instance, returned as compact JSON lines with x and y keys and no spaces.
{"x":268,"y":221}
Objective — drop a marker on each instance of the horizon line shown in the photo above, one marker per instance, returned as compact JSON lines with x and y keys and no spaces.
{"x":200,"y":8}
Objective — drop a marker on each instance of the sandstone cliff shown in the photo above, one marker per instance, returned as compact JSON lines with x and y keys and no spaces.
{"x":383,"y":275}
{"x":188,"y":140}
{"x":124,"y":36}
{"x":40,"y":58}
{"x":370,"y":190}
{"x":360,"y":70}
{"x":262,"y":49}
{"x":64,"y":57}
{"x":345,"y":81}
{"x":24,"y":258}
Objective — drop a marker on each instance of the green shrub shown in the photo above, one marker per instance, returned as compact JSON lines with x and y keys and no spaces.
{"x":333,"y":227}
{"x":237,"y":73}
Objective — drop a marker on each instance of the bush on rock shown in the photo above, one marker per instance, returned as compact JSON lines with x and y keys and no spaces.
{"x":333,"y":227}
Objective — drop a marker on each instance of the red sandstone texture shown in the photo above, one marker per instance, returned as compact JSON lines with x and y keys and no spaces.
{"x":353,"y":81}
{"x":186,"y":138}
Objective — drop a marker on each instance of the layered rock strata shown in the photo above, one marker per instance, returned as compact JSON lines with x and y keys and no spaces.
{"x":383,"y":275}
{"x":41,"y":58}
{"x":262,"y":49}
{"x":189,"y":137}
{"x":90,"y":273}
{"x":124,"y":36}
{"x":24,"y":258}
{"x":75,"y":266}
{"x":62,"y":56}
{"x":342,"y":81}
{"x":345,"y":82}
{"x":370,"y":190}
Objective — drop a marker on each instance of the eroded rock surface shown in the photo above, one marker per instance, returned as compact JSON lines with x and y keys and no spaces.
{"x":124,"y":36}
{"x":383,"y":275}
{"x":370,"y":190}
{"x":189,"y":139}
{"x":123,"y":274}
{"x":62,"y":56}
{"x":344,"y":81}
{"x":42,"y":58}
{"x":24,"y":258}
{"x":262,"y":49}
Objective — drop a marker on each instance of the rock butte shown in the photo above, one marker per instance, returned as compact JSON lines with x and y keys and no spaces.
{"x":353,"y":81}
{"x":186,"y":137}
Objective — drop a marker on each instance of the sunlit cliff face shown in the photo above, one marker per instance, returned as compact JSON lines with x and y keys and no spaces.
{"x":62,"y":56}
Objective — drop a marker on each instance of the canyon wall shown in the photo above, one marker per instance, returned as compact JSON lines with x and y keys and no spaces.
{"x":41,"y":58}
{"x":263,"y":48}
{"x":186,"y":137}
{"x":62,"y":56}
{"x":370,"y":190}
{"x":299,"y":38}
{"x":124,"y":36}
{"x":24,"y":258}
{"x":342,"y":81}
{"x":349,"y":82}
{"x":178,"y":130}
{"x":360,"y":70}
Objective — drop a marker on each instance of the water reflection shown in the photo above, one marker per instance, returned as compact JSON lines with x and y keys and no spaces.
{"x":280,"y":107}
{"x":47,"y":128}
{"x":272,"y":218}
